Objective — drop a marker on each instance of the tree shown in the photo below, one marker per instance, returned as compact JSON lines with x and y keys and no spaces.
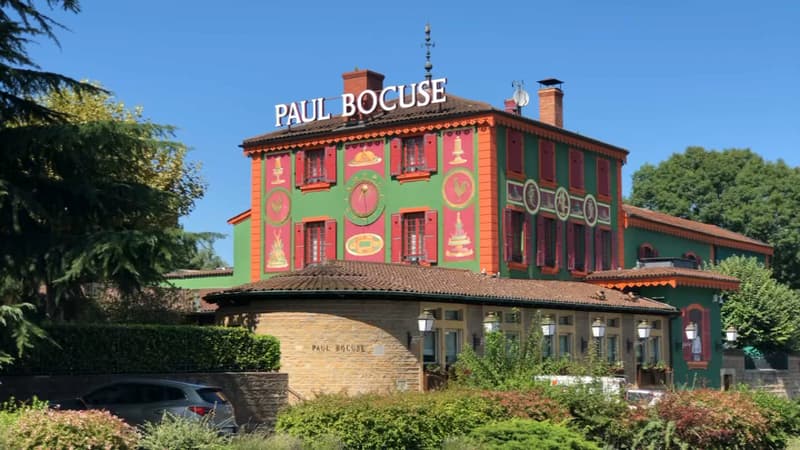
{"x":734,"y":189}
{"x":763,"y":310}
{"x":81,"y":201}
{"x":204,"y":257}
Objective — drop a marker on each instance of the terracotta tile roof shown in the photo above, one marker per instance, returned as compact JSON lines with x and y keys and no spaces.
{"x":655,"y":276}
{"x":192,"y":273}
{"x":711,"y":231}
{"x":382,"y":279}
{"x":454,"y":106}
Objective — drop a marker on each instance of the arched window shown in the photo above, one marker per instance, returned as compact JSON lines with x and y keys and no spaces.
{"x":647,"y":250}
{"x":692,"y":256}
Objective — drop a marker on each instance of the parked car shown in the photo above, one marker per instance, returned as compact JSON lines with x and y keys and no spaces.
{"x":137,"y":401}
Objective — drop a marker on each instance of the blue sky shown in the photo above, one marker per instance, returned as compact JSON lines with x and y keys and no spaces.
{"x":651,"y":77}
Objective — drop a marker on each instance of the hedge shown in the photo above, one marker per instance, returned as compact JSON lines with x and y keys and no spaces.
{"x":96,"y":349}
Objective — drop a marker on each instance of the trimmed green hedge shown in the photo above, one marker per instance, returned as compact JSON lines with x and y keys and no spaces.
{"x":88,"y":349}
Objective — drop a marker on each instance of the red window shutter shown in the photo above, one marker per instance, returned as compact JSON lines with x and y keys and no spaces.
{"x":431,"y":236}
{"x":397,"y":238}
{"x":299,"y":247}
{"x":586,"y":239}
{"x":570,"y":246}
{"x":330,"y":163}
{"x":687,"y":344}
{"x":546,"y":169}
{"x":559,"y":242}
{"x":526,"y":238}
{"x":300,"y":168}
{"x":706,"y":330}
{"x":598,"y":249}
{"x":431,"y":159}
{"x":540,"y":244}
{"x":508,"y":234}
{"x":514,"y":151}
{"x":330,"y":240}
{"x":603,"y":180}
{"x":396,"y":155}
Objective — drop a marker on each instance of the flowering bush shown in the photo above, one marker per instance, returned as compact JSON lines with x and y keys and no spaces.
{"x":90,"y":430}
{"x":712,"y":419}
{"x":529,"y":405}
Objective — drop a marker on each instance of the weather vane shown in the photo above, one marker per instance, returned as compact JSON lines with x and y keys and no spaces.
{"x":428,"y":44}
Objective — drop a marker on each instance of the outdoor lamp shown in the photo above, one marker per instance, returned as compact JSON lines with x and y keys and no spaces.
{"x":425,"y":321}
{"x":548,"y":326}
{"x":598,"y":328}
{"x":643,"y":329}
{"x":731,"y":334}
{"x":492,"y":322}
{"x":691,"y":331}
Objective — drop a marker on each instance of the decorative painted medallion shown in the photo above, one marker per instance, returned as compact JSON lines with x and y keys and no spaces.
{"x":562,"y":203}
{"x":532,"y":196}
{"x":364,"y":244}
{"x":277,"y":206}
{"x":458,"y":188}
{"x":590,"y":210}
{"x":603,"y":213}
{"x":459,"y":245}
{"x":365,"y":201}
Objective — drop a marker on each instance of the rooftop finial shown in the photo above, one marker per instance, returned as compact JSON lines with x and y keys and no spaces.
{"x":428,"y":44}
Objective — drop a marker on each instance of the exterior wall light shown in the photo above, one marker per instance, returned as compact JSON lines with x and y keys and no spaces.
{"x":691,"y":331}
{"x":731,"y":335}
{"x":643,"y":329}
{"x":491,"y":323}
{"x":548,"y":326}
{"x":598,"y":328}
{"x":425,"y":321}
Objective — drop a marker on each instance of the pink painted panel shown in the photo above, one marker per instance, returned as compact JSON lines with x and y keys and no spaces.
{"x":458,"y":149}
{"x":459,"y":234}
{"x":365,"y":243}
{"x":364,"y":155}
{"x":276,"y":212}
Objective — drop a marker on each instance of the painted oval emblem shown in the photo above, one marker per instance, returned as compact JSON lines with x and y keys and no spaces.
{"x":364,"y":244}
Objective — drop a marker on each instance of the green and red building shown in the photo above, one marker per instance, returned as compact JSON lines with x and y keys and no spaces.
{"x":412,"y":175}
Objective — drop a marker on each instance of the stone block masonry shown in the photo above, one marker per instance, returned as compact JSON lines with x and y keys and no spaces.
{"x":256,"y":396}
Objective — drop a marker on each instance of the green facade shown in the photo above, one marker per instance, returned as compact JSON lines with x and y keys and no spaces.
{"x":667,"y":245}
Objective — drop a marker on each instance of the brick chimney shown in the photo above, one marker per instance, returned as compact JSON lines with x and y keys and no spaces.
{"x":511,"y":106}
{"x":551,"y":102}
{"x":360,"y":80}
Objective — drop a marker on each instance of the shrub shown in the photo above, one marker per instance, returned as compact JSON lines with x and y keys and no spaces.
{"x":71,"y":429}
{"x":10,"y":412}
{"x":402,"y":420}
{"x":711,"y":419}
{"x":148,"y":349}
{"x":179,"y":433}
{"x":595,"y":413}
{"x":530,"y":404}
{"x":530,"y":434}
{"x":783,"y":414}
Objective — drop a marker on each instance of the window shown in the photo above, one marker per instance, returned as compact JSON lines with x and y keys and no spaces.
{"x":603,"y":249}
{"x":603,"y":178}
{"x":314,"y":242}
{"x":697,"y":352}
{"x":655,"y":349}
{"x":693,"y":257}
{"x":576,"y":177}
{"x":454,"y":314}
{"x":565,"y":345}
{"x":547,"y":163}
{"x":646,"y":250}
{"x":578,"y":255}
{"x":414,"y":237}
{"x":452,"y":346}
{"x":514,"y":153}
{"x":547,"y":351}
{"x":414,"y":155}
{"x":516,"y":236}
{"x":430,"y":348}
{"x":548,"y":242}
{"x":315,"y":168}
{"x":612,"y":348}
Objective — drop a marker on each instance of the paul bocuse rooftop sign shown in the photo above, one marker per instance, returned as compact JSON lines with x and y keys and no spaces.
{"x":366,"y":102}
